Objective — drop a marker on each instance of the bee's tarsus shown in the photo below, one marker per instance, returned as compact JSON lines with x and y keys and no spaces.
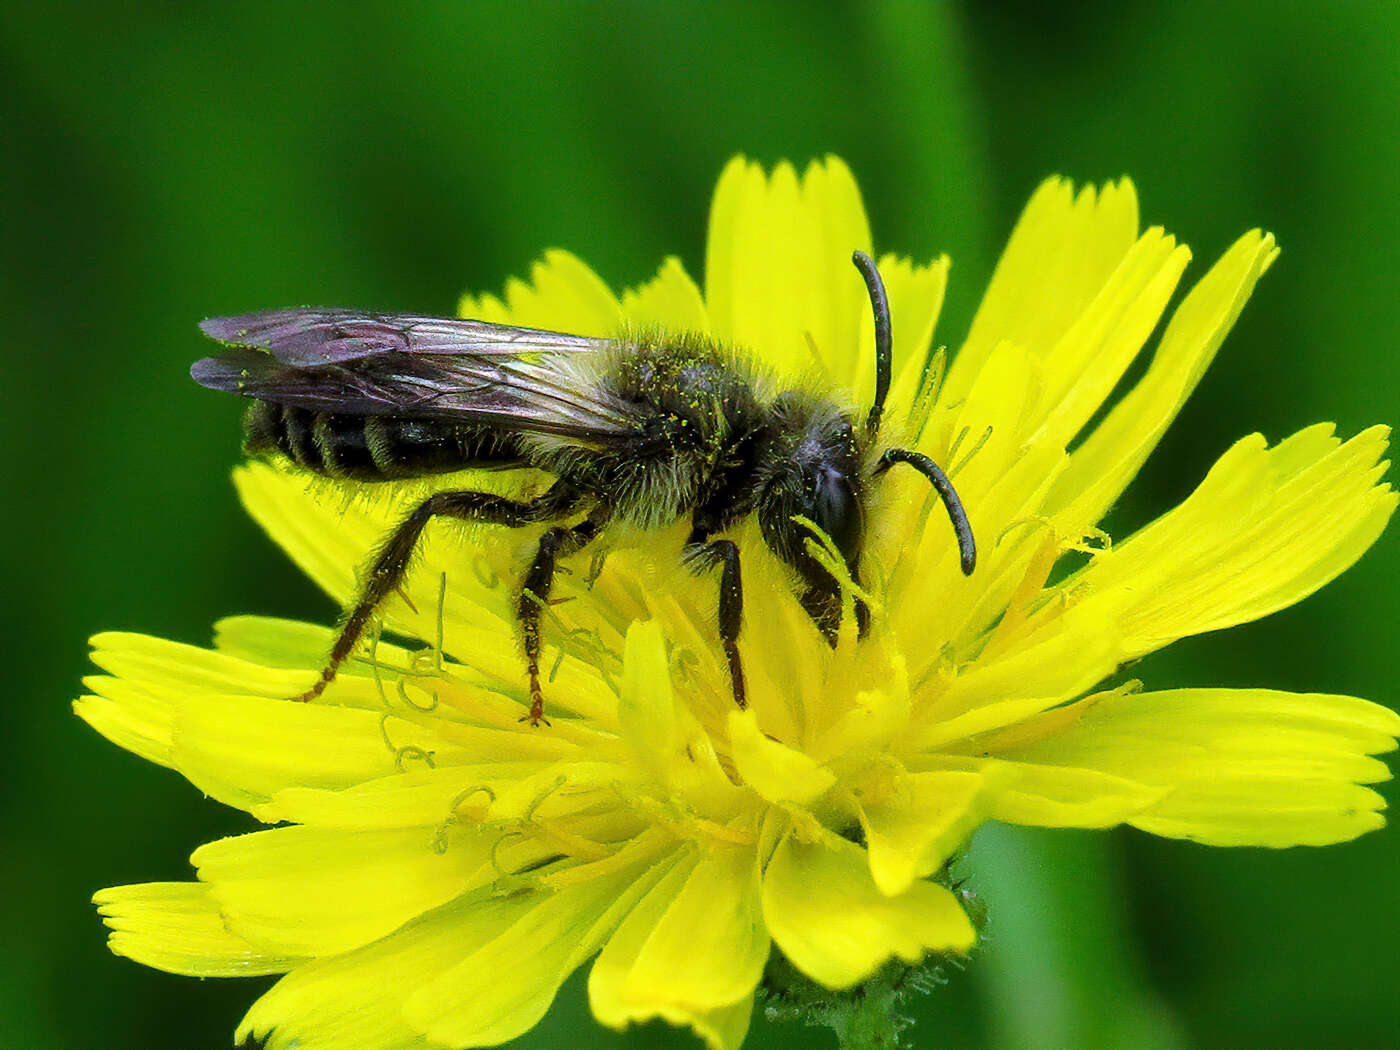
{"x":536,"y":716}
{"x":557,"y":542}
{"x":327,"y":676}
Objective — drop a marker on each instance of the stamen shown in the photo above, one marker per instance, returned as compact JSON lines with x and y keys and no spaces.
{"x":635,"y":852}
{"x":402,"y":686}
{"x":402,"y":755}
{"x":496,"y":850}
{"x":821,"y":547}
{"x":962,"y":463}
{"x":374,"y":667}
{"x":441,"y":605}
{"x":455,"y":818}
{"x":926,"y":399}
{"x":529,"y":814}
{"x":485,"y":573}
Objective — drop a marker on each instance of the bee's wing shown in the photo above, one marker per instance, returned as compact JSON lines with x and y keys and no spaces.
{"x":330,"y":360}
{"x":310,"y":336}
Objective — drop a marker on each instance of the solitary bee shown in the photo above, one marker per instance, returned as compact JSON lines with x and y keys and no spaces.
{"x":645,"y":428}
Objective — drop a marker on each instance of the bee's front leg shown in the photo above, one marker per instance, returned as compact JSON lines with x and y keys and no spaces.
{"x":705,"y":553}
{"x":556,"y":543}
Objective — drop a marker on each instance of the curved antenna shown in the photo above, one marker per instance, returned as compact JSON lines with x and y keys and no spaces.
{"x":880,"y":304}
{"x":929,"y":469}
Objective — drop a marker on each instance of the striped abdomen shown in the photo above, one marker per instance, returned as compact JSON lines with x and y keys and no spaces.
{"x":371,"y":448}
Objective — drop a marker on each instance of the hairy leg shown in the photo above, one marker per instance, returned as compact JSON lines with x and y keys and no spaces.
{"x":556,"y":543}
{"x":705,"y":553}
{"x":390,"y":565}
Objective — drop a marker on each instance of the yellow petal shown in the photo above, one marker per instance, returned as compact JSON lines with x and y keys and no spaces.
{"x":1081,"y":369}
{"x":1266,"y":528}
{"x":483,"y":307}
{"x":989,"y":427}
{"x":694,"y":945}
{"x":315,"y":892}
{"x":722,"y":1028}
{"x":1058,"y":665}
{"x":916,"y":300}
{"x":1062,"y":796}
{"x":929,"y":597}
{"x":497,"y":990}
{"x":663,"y":734}
{"x":910,"y":835}
{"x":563,"y":295}
{"x":171,"y":670}
{"x":188,"y":708}
{"x":128,"y":716}
{"x":1064,"y":248}
{"x":777,"y":772}
{"x":1231,"y":810}
{"x":177,"y":927}
{"x":494,"y":962}
{"x":430,"y":798}
{"x":778,"y":267}
{"x":1238,"y":767}
{"x":826,"y":914}
{"x":1110,"y":456}
{"x":268,"y":641}
{"x":357,"y":1000}
{"x":242,"y":750}
{"x":327,"y":543}
{"x":969,"y":731}
{"x":670,"y":301}
{"x":654,"y":725}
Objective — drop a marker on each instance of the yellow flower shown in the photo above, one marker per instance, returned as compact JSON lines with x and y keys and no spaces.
{"x":440,"y":868}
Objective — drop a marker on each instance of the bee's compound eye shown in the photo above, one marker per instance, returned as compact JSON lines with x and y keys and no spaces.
{"x":837,"y":511}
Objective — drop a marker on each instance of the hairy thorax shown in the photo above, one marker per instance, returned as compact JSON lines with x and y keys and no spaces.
{"x":697,"y":409}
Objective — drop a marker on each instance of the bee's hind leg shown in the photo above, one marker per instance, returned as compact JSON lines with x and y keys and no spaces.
{"x":556,"y":543}
{"x":390,"y":565}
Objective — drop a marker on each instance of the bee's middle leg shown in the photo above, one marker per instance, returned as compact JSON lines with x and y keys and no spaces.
{"x":391,"y":563}
{"x":556,"y":543}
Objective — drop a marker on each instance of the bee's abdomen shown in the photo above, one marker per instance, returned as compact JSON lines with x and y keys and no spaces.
{"x":371,"y":448}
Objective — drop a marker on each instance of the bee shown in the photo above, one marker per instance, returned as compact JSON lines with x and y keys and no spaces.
{"x":645,"y":428}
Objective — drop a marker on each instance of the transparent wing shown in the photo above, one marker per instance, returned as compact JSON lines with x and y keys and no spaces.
{"x":334,"y":360}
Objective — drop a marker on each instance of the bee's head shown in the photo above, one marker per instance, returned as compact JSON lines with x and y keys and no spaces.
{"x":816,"y":475}
{"x":814,"y":472}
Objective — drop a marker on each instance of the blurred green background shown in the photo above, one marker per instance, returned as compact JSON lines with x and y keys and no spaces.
{"x":164,"y":162}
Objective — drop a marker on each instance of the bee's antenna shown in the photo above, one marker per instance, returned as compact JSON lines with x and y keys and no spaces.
{"x":880,"y":304}
{"x":929,"y":469}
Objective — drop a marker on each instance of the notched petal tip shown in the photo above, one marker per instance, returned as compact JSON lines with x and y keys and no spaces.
{"x":177,"y":927}
{"x":826,"y":914}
